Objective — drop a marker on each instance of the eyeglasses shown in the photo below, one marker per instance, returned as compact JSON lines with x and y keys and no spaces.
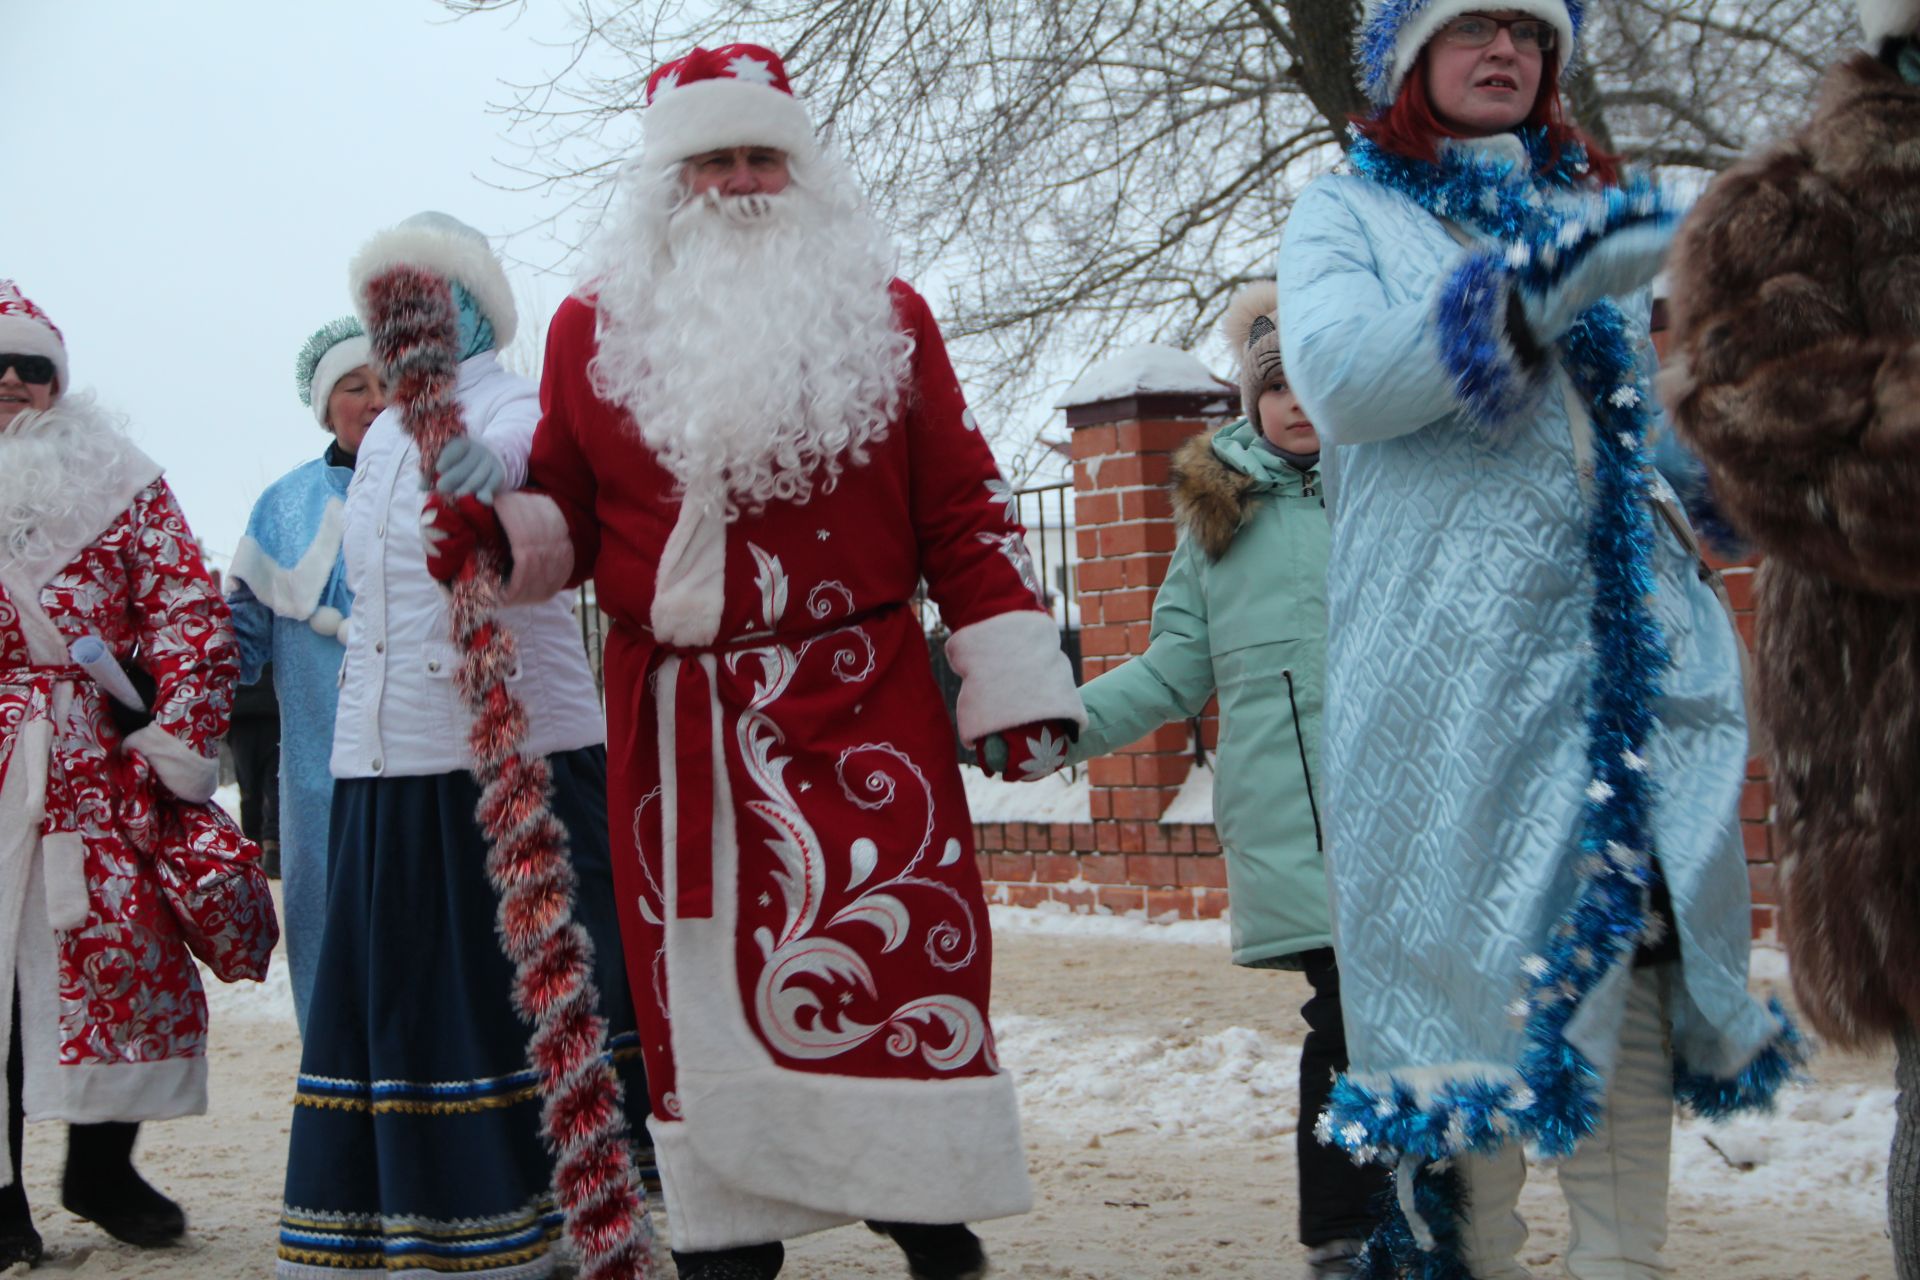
{"x":33,"y":370}
{"x":1477,"y":30}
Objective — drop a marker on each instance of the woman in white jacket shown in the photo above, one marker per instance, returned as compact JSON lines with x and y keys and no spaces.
{"x":416,"y":1129}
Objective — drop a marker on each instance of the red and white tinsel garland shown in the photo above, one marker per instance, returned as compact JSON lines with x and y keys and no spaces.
{"x":414,"y":328}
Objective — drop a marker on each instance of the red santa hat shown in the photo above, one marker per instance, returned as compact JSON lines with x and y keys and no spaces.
{"x":733,"y":96}
{"x":26,"y":331}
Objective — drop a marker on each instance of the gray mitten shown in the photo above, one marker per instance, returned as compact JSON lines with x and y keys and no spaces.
{"x":1620,"y":263}
{"x":468,"y":468}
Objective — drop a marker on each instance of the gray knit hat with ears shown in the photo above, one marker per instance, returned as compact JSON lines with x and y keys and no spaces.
{"x":1253,"y":334}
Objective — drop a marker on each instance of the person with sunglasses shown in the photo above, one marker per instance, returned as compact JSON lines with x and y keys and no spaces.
{"x":291,"y":606}
{"x":107,"y":1024}
{"x":1535,"y":735}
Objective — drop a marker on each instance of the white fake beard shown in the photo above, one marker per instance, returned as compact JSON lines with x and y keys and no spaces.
{"x":49,"y":462}
{"x":752,"y":339}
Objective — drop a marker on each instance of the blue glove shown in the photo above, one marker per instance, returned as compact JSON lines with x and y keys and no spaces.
{"x":468,"y":469}
{"x":1620,"y":263}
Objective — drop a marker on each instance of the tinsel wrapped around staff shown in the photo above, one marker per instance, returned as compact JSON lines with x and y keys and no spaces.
{"x":468,"y":733}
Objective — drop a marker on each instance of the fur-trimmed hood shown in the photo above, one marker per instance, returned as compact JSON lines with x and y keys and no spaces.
{"x":1218,"y":479}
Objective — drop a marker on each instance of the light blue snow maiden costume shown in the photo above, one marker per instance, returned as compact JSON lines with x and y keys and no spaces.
{"x":1533,"y":693}
{"x":290,"y":604}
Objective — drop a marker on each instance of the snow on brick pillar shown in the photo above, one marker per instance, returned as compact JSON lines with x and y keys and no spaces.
{"x":1756,"y":800}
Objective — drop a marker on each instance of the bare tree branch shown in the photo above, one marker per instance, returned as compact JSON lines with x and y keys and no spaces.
{"x":1086,"y":173}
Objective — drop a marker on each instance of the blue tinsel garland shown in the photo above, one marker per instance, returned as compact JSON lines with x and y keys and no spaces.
{"x":1556,"y":1098}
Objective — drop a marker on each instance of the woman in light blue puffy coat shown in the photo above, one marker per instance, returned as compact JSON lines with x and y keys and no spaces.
{"x":1535,"y":736}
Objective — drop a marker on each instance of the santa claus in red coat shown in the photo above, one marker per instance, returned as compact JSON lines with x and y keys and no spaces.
{"x":753,"y":442}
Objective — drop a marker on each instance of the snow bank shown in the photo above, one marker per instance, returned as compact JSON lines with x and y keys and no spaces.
{"x":1054,"y":798}
{"x":1194,"y":803}
{"x":268,"y":1001}
{"x":1237,"y":1083}
{"x":1057,"y":920}
{"x":1839,"y":1130}
{"x":1148,"y":369}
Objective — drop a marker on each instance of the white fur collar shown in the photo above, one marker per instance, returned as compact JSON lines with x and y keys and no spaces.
{"x":65,"y":475}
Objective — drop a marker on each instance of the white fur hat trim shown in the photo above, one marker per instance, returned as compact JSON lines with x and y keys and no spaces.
{"x":446,"y":246}
{"x":1426,"y":24}
{"x":707,"y":115}
{"x":1883,"y":18}
{"x":341,"y":358}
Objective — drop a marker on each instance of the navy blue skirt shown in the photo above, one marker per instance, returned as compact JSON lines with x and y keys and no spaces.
{"x":416,"y":1127}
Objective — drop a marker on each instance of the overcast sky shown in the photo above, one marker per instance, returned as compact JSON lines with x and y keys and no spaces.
{"x":188,"y":182}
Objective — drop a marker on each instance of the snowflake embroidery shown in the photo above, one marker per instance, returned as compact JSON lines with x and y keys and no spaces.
{"x":750,"y":69}
{"x":1002,"y":492}
{"x":1014,"y":548}
{"x":822,"y":534}
{"x":1046,"y":754}
{"x":1599,"y":792}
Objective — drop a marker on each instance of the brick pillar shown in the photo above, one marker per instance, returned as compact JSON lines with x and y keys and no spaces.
{"x":1124,"y":435}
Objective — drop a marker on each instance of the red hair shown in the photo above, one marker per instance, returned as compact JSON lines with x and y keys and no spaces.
{"x":1411,"y":127}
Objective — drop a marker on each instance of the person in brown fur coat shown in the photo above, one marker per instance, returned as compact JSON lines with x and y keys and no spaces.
{"x":1796,"y":309}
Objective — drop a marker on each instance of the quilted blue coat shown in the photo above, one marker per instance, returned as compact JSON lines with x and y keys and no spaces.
{"x":1458,"y":665}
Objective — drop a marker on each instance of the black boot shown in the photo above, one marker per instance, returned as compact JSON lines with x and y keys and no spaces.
{"x":945,"y":1252}
{"x":748,"y":1262}
{"x":102,"y":1186}
{"x":19,"y":1242}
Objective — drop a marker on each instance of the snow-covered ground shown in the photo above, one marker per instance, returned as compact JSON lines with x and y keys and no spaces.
{"x":1158,"y":1084}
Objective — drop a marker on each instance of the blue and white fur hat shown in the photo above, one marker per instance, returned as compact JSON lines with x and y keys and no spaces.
{"x":1392,"y":33}
{"x":336,"y":349}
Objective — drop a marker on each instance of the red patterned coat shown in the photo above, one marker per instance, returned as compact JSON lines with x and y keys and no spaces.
{"x":113,"y":1021}
{"x":803,"y":916}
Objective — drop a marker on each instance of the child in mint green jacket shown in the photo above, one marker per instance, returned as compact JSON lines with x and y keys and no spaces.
{"x":1243,"y":613}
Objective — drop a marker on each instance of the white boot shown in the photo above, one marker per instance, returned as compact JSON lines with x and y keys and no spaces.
{"x":1615,"y":1183}
{"x":1492,"y":1233}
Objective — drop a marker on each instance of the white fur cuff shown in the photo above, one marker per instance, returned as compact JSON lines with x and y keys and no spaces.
{"x":542,"y":549}
{"x":1012,"y":672}
{"x":184,"y":771}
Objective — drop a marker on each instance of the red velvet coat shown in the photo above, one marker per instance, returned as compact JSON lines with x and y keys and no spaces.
{"x":802,"y":911}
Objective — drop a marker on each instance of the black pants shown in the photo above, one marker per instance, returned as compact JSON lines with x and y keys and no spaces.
{"x":102,"y":1150}
{"x":255,"y":742}
{"x":1336,"y":1195}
